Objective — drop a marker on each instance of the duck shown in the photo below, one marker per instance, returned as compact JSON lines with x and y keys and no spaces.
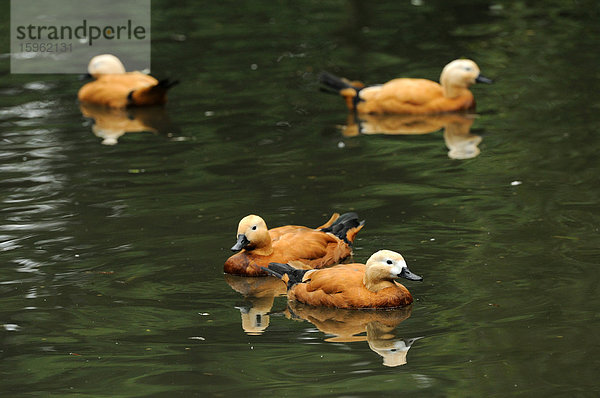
{"x":304,"y":247}
{"x":113,"y":87}
{"x":350,"y":286}
{"x":412,"y":96}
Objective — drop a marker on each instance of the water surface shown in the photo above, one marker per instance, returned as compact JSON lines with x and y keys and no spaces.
{"x":111,"y":281}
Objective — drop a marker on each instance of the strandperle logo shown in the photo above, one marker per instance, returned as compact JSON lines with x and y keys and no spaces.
{"x":83,"y":31}
{"x":61,"y":36}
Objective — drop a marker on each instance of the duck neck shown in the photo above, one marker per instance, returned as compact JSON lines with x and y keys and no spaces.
{"x":263,"y":247}
{"x":451,"y":91}
{"x":375,"y":284}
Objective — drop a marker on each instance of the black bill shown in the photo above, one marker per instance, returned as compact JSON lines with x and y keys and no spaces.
{"x":409,"y":275}
{"x":242,"y":242}
{"x":483,"y":79}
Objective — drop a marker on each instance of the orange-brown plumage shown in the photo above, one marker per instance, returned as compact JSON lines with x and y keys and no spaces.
{"x":304,"y":247}
{"x":414,"y":96}
{"x":342,"y":287}
{"x":369,"y":285}
{"x":115,"y":88}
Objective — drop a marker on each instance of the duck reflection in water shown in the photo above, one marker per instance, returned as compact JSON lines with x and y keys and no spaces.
{"x":111,"y":123}
{"x":457,"y":136}
{"x":376,"y":327}
{"x":259,"y":295}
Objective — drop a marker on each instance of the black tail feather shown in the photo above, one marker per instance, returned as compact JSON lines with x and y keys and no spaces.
{"x":278,"y":270}
{"x":166,"y":83}
{"x":343,"y":224}
{"x":333,"y":82}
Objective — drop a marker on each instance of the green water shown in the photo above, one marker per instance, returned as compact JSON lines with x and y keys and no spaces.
{"x":111,"y":280}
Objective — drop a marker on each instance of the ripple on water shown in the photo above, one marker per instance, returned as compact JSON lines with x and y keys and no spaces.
{"x":29,"y":110}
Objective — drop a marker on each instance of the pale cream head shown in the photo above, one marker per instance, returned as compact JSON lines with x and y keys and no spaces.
{"x":252,"y":234}
{"x":105,"y":64}
{"x":385,"y":265}
{"x":382,"y":267}
{"x":458,"y":74}
{"x":253,"y":227}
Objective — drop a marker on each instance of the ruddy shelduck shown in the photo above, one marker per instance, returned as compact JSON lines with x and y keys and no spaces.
{"x":351,"y":286}
{"x":113,"y":87}
{"x":413,"y":96}
{"x":304,"y":247}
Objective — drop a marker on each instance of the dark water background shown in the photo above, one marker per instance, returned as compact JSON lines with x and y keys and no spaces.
{"x":111,"y":277}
